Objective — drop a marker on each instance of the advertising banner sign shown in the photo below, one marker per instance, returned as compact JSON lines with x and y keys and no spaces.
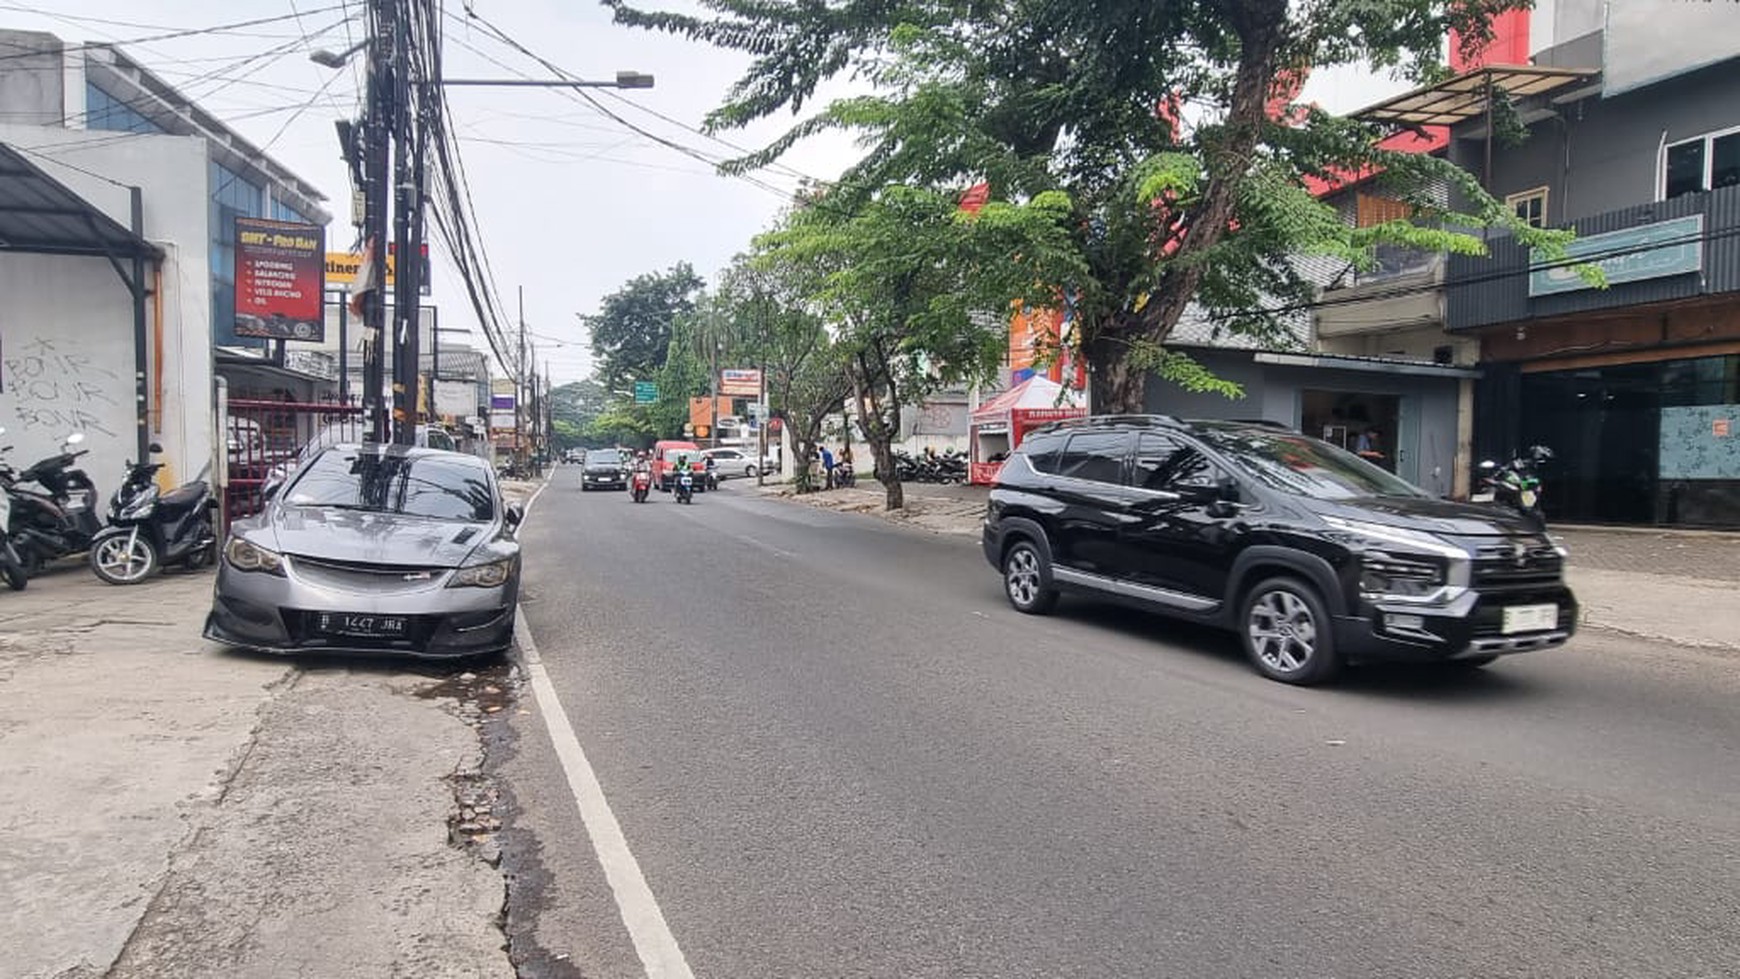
{"x":740,"y":383}
{"x":501,"y":402}
{"x":342,"y":268}
{"x":280,"y":280}
{"x":1648,"y":251}
{"x":456,"y":398}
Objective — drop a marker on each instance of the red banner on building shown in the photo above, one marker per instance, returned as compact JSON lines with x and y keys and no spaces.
{"x":280,"y":280}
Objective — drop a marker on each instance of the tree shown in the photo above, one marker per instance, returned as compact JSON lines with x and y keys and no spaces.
{"x":631,"y":332}
{"x":777,"y":327}
{"x":573,"y":406}
{"x":915,"y":288}
{"x":1167,"y":124}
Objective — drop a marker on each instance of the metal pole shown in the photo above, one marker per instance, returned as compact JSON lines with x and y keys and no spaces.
{"x":761,"y":420}
{"x":377,"y":158}
{"x":405,"y":300}
{"x":520,"y":384}
{"x":713,"y":368}
{"x":343,"y":351}
{"x":141,"y":352}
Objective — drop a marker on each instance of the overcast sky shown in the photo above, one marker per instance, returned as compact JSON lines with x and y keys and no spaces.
{"x":570,"y":203}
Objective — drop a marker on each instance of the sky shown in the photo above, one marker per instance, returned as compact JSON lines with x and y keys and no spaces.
{"x":570,"y":204}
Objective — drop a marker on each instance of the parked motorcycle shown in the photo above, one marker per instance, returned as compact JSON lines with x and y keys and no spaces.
{"x":640,"y":484}
{"x":684,"y":486}
{"x":53,"y":507}
{"x":11,"y":565}
{"x":1516,"y":484}
{"x":148,"y":529}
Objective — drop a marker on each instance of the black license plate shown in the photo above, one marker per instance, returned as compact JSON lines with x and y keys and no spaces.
{"x":359,"y":624}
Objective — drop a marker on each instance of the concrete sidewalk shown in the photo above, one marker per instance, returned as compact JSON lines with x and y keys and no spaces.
{"x":1679,"y":587}
{"x":177,"y":809}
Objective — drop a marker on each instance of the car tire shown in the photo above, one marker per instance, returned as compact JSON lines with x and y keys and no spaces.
{"x":1287,"y":632}
{"x":1027,"y":579}
{"x":749,"y":471}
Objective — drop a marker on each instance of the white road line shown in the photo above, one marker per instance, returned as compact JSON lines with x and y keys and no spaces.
{"x":660,"y":956}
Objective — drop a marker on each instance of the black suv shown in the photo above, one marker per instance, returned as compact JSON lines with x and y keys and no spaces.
{"x":604,"y":469}
{"x":1314,"y":556}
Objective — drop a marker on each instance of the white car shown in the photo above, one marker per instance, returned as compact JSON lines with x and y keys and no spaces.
{"x":731,"y":463}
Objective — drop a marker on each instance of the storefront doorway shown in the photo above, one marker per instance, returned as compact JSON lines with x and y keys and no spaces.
{"x":1367,"y":424}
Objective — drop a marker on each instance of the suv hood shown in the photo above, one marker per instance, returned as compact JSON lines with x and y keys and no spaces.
{"x":374,"y":538}
{"x":1430,"y":515}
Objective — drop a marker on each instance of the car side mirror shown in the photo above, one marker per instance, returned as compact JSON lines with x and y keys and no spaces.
{"x":275,"y":481}
{"x":514,"y":515}
{"x":154,"y":448}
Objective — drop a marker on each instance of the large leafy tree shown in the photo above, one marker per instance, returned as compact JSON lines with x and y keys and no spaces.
{"x":631,"y":332}
{"x":1166,"y":123}
{"x":778,"y":328}
{"x":915,"y":290}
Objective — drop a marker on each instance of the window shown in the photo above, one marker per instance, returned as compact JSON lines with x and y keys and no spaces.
{"x":1371,"y":210}
{"x":1530,"y":207}
{"x":1041,"y":451}
{"x":284,"y":212}
{"x":232,"y":196}
{"x":1166,"y":463}
{"x":1705,"y":163}
{"x":439,"y":487}
{"x":1096,"y":456}
{"x":104,"y":111}
{"x":1305,"y":466}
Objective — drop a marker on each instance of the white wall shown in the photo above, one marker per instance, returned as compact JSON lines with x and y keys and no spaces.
{"x":81,"y":310}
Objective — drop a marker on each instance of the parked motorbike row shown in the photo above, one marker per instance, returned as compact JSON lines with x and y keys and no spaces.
{"x":48,"y":512}
{"x":947,"y":467}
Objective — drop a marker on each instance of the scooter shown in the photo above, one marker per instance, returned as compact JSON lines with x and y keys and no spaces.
{"x":11,"y":565}
{"x":1517,"y":484}
{"x":148,"y":530}
{"x":684,"y":485}
{"x":59,"y":519}
{"x":640,"y":484}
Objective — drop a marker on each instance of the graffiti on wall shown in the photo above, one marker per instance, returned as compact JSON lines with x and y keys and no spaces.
{"x":56,"y":386}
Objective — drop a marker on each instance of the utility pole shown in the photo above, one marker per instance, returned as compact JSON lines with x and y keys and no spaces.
{"x":407,"y":189}
{"x":713,"y":368}
{"x":520,"y":384}
{"x":376,"y":159}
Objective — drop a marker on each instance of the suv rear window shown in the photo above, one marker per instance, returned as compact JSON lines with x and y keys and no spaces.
{"x":1097,"y":456}
{"x":1041,"y":450}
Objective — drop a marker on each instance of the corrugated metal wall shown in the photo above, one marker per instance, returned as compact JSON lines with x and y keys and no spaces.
{"x":1484,"y":291}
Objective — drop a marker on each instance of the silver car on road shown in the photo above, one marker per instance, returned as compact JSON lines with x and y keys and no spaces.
{"x":379,"y":549}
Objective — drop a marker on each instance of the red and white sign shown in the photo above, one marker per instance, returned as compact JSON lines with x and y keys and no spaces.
{"x":280,"y":280}
{"x":740,"y":383}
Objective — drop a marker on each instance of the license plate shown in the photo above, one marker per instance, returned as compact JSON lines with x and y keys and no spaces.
{"x":353,"y":624}
{"x":1482,"y":498}
{"x":1530,"y":618}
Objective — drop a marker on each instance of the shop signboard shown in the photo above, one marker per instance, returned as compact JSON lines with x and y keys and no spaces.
{"x":740,"y":383}
{"x":1648,"y":251}
{"x":280,"y":280}
{"x":342,"y":269}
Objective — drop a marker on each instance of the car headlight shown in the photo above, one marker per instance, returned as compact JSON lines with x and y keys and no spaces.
{"x":491,"y":575}
{"x":1383,"y":575}
{"x":244,"y":556}
{"x":1398,"y":563}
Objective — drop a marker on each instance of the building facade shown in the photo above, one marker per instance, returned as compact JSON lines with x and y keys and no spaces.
{"x":103,"y":126}
{"x":1634,"y":385}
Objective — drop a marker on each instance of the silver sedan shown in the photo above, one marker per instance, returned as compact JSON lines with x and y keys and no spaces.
{"x":374,"y":549}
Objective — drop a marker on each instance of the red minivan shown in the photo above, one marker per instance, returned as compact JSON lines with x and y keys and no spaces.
{"x":665,"y":455}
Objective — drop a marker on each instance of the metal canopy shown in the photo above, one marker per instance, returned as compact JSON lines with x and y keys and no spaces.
{"x":40,"y":215}
{"x":1464,"y":97}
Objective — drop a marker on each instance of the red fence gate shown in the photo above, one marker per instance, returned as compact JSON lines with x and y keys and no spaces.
{"x":263,"y":435}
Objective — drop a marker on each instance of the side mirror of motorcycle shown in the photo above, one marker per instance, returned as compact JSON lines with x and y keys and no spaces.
{"x":74,"y":439}
{"x":154,"y":448}
{"x":1488,"y":464}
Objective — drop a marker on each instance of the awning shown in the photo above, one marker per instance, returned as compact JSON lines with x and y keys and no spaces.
{"x":1034,"y":394}
{"x":41,"y":215}
{"x":1463,"y":98}
{"x":1375,"y":365}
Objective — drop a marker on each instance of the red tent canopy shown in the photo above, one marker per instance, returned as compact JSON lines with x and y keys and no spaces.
{"x":1034,"y":402}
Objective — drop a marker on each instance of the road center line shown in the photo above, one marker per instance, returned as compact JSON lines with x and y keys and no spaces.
{"x":660,"y":956}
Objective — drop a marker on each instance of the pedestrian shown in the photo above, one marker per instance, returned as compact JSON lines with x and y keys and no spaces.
{"x":827,"y":468}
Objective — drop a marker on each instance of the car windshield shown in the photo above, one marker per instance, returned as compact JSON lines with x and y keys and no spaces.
{"x":604,"y":457}
{"x":439,"y":487}
{"x":1300,"y":464}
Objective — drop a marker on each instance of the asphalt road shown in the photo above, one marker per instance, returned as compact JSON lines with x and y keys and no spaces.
{"x":835,"y":751}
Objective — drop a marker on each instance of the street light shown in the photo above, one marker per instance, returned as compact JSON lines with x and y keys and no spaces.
{"x":624,"y":79}
{"x":326,"y":59}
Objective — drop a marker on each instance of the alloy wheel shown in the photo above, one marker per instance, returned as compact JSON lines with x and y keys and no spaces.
{"x":124,"y":559}
{"x":1022,"y":576}
{"x":1283,"y":631}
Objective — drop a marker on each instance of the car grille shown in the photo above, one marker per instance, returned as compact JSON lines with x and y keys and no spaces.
{"x":1518,"y":561}
{"x":379,"y":579}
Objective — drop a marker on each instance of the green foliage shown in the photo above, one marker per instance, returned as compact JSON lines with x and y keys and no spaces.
{"x":620,"y":423}
{"x":631,"y":332}
{"x":1181,"y":369}
{"x":1040,"y":96}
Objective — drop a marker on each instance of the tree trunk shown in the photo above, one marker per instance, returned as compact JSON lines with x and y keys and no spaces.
{"x":1116,"y":386}
{"x":873,"y":414}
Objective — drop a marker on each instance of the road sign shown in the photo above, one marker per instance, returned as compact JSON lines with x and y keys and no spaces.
{"x":645,"y":392}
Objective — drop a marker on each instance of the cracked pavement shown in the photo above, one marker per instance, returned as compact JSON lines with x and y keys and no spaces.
{"x":177,"y":809}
